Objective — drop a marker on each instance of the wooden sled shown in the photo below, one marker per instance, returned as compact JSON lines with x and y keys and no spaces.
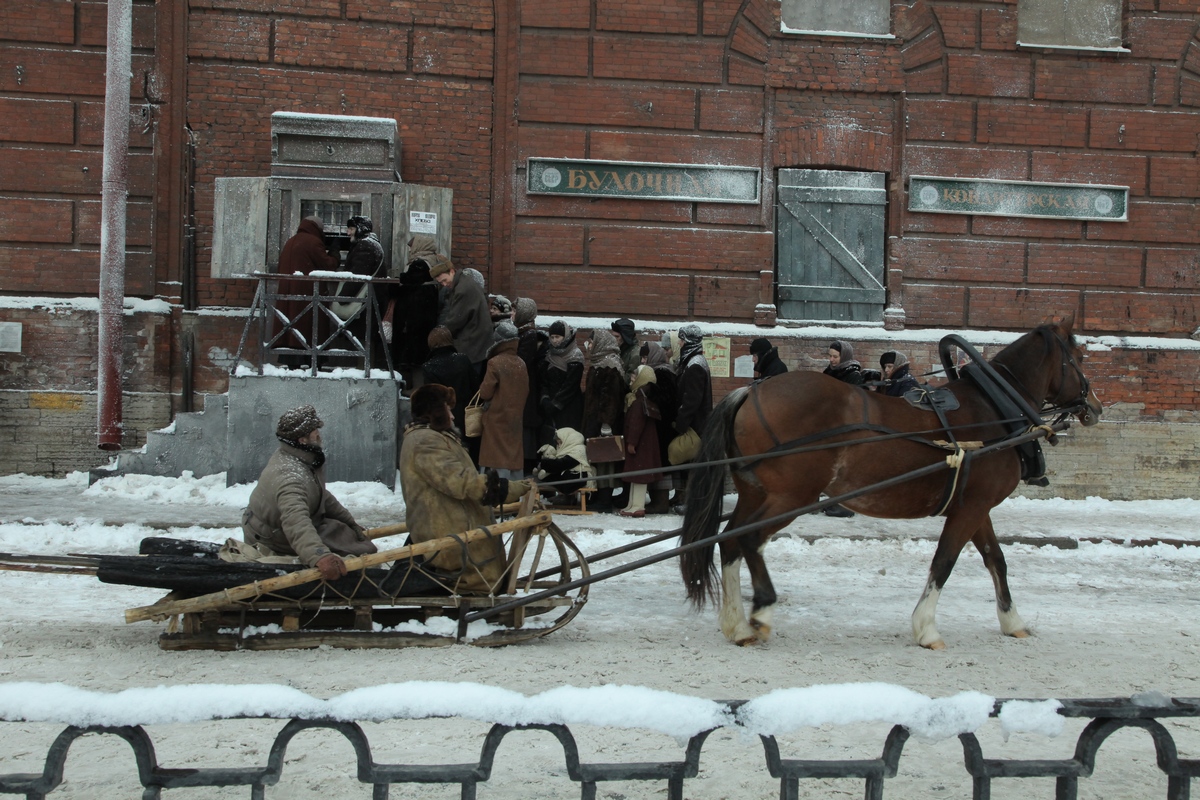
{"x":388,"y":599}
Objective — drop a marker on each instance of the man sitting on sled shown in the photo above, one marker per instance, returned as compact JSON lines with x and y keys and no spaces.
{"x":291,"y":513}
{"x":445,"y":494}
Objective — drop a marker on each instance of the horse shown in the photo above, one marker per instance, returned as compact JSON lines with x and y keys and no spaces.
{"x":785,"y":437}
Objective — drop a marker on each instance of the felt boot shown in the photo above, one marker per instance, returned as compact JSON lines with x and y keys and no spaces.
{"x":601,"y":501}
{"x":660,"y":501}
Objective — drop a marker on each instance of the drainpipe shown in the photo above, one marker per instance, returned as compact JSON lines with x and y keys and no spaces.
{"x":115,"y":192}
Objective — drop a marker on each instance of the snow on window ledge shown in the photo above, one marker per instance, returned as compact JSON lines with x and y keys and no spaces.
{"x":1071,"y":48}
{"x":839,"y":34}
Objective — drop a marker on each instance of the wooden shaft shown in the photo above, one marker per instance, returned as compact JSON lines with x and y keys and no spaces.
{"x":402,"y":527}
{"x":161,"y":610}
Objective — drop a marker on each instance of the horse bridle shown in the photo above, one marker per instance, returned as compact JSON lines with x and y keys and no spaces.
{"x":1056,"y":406}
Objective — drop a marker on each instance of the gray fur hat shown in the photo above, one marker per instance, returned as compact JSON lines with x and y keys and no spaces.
{"x":298,"y":422}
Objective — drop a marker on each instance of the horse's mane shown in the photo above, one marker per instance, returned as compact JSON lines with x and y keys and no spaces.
{"x":1014,"y":354}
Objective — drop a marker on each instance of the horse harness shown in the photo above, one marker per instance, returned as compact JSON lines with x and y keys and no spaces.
{"x":1016,"y":415}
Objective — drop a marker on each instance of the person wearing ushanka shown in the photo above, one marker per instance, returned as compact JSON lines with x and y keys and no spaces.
{"x":631,"y":349}
{"x":446,"y":495}
{"x":767,"y":362}
{"x":465,"y":313}
{"x":291,"y":513}
{"x":896,"y":376}
{"x":842,"y":364}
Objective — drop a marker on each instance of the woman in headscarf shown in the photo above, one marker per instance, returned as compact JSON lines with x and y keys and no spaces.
{"x":695,"y":404}
{"x":559,"y":378}
{"x":842,"y":364}
{"x":896,"y":376}
{"x":641,"y":439}
{"x":565,"y":460}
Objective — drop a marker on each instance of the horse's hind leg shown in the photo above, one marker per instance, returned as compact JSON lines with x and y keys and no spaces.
{"x":957,"y":531}
{"x":985,"y":542}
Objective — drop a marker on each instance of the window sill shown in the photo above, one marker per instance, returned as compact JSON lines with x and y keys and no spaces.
{"x":836,"y":34}
{"x":1072,"y":48}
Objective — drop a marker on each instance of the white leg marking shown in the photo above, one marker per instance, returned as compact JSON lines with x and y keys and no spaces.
{"x":761,"y":622}
{"x":1011,"y":623}
{"x":733,"y":615}
{"x":924,"y":618}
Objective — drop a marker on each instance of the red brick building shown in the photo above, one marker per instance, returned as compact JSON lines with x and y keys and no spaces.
{"x":932,"y":88}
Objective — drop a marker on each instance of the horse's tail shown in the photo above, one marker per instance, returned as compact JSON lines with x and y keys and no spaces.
{"x":705,"y":493}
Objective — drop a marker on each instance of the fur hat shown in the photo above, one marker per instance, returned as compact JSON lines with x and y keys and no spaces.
{"x":297,"y":422}
{"x":439,"y":336}
{"x":502,"y":303}
{"x":504,"y":332}
{"x":526,"y":311}
{"x":760,"y":347}
{"x":428,"y":405}
{"x":439,"y":264}
{"x":626,"y":330}
{"x":893,"y":357}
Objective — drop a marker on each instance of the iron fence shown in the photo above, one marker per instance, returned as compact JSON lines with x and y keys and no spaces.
{"x":1107,"y":716}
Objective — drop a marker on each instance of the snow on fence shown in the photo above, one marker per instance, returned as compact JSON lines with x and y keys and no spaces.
{"x":688,"y":719}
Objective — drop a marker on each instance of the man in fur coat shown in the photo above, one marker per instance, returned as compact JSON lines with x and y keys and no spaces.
{"x":291,"y":513}
{"x":445,"y":494}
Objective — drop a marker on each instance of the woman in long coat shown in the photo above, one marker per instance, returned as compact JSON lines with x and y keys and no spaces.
{"x":561,"y":375}
{"x":604,"y":407}
{"x":505,"y":386}
{"x":641,"y":439}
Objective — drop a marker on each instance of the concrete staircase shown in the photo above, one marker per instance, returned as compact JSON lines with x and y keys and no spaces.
{"x":195,"y":441}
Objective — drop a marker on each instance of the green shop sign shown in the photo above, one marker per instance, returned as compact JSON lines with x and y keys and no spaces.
{"x":633,"y":181}
{"x":1018,"y":198}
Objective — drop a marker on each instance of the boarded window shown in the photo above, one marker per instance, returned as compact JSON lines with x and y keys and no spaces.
{"x":1091,"y":24}
{"x":848,"y":17}
{"x":829,"y":235}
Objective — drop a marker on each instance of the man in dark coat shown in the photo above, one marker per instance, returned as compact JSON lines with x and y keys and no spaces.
{"x":291,"y":512}
{"x":695,"y":404}
{"x":304,"y":252}
{"x":767,"y":362}
{"x":448,"y":367}
{"x":531,"y":347}
{"x":666,"y":387}
{"x":414,"y":315}
{"x":466,"y":312}
{"x":631,"y":350}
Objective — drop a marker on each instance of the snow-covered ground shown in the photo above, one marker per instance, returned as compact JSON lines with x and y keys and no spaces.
{"x":1110,"y":619}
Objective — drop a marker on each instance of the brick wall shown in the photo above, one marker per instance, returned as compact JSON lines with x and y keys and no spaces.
{"x":51,"y":136}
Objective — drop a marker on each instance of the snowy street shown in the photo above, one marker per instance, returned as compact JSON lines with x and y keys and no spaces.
{"x":1110,"y":620}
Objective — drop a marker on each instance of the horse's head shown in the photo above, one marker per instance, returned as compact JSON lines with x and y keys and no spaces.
{"x":1069,"y":389}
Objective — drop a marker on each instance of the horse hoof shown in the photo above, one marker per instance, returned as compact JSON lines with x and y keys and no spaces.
{"x":762,"y":632}
{"x":1021,"y":634}
{"x":940,"y":644}
{"x":747,"y":641}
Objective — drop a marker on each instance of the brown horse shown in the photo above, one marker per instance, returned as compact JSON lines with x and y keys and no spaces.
{"x":814,"y":413}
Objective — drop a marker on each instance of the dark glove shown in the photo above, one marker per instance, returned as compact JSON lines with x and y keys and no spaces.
{"x":547,"y":406}
{"x":332,"y":567}
{"x":496,"y":490}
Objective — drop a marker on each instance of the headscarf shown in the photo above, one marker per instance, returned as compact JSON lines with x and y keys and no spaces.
{"x":422,"y":246}
{"x":691,"y":343}
{"x":526,"y":312}
{"x":655,"y":356}
{"x":760,"y":347}
{"x":566,"y":353}
{"x":605,"y":352}
{"x":845,"y":348}
{"x":643,"y":377}
{"x":440,"y":337}
{"x":476,"y":276}
{"x":572,"y":445}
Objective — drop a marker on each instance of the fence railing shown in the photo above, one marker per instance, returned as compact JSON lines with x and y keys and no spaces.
{"x":1106,"y":716}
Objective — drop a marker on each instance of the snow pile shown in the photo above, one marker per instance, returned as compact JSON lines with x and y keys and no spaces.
{"x":1031,"y":716}
{"x":786,"y":710}
{"x":611,"y":706}
{"x":245,"y":370}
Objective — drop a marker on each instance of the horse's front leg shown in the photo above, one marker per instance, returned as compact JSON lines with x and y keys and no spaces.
{"x":732,"y":617}
{"x":764,"y":591}
{"x":985,"y":542}
{"x":956,"y":533}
